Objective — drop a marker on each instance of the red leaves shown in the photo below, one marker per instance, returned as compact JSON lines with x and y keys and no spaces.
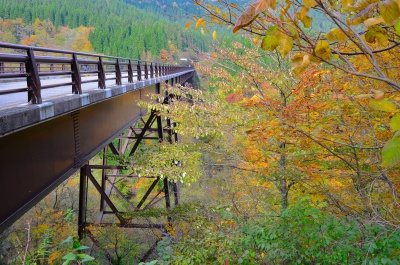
{"x":234,"y":97}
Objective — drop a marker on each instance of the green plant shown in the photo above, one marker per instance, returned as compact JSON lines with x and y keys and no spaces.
{"x":76,"y":252}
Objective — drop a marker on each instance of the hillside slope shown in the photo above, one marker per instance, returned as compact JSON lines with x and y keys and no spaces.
{"x":119,"y":28}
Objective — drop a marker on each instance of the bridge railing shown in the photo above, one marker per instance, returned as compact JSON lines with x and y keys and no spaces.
{"x":36,"y":63}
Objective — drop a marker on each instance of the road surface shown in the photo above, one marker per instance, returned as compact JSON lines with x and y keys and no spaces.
{"x":21,"y":98}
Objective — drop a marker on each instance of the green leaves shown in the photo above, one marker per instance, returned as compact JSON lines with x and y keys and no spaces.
{"x":274,"y":39}
{"x":395,"y":122}
{"x":397,"y":27}
{"x":383,"y":105}
{"x":391,"y":151}
{"x":82,"y":258}
{"x":271,"y":41}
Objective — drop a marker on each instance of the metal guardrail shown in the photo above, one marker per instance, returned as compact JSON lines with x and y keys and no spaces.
{"x":24,"y":63}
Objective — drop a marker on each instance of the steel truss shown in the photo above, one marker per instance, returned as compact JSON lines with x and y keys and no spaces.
{"x":127,"y":144}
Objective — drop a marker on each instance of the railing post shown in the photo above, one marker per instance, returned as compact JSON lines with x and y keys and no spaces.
{"x":139,"y":72}
{"x":22,"y":68}
{"x":118,"y":75}
{"x":51,"y":67}
{"x":33,"y":79}
{"x":151,"y":70}
{"x":155,"y":70}
{"x":76,"y":75}
{"x":101,"y":74}
{"x":130,"y":72}
{"x":1,"y":68}
{"x":146,"y":70}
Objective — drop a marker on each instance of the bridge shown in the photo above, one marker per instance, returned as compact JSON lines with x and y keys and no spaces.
{"x":47,"y":139}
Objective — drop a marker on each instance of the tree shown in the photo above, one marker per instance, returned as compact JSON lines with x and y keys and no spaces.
{"x":365,"y":57}
{"x":164,"y":56}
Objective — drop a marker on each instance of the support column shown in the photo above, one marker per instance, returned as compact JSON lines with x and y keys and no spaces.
{"x":82,"y":202}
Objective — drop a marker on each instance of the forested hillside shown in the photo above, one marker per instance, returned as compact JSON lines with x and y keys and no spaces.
{"x":118,"y":28}
{"x":178,"y":10}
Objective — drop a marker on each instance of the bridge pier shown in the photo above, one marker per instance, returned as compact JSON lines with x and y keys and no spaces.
{"x":126,"y":145}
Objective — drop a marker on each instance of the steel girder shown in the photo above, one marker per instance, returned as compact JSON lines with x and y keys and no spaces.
{"x":151,"y":128}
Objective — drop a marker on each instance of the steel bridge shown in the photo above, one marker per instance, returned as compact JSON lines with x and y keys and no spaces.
{"x":47,"y":140}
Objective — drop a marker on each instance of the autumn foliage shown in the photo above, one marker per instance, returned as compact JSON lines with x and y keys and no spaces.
{"x":44,"y":34}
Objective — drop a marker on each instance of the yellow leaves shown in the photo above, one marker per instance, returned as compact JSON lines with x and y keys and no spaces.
{"x":346,"y":3}
{"x":200,"y":23}
{"x":285,"y":45}
{"x":376,"y":94}
{"x":309,"y":3}
{"x":390,"y":11}
{"x":303,"y":16}
{"x":373,"y":21}
{"x":336,"y":35}
{"x":323,"y":50}
{"x":214,"y":35}
{"x":363,"y":5}
{"x":303,"y":12}
{"x":376,"y":34}
{"x":53,"y":257}
{"x":307,"y":21}
{"x":300,"y":62}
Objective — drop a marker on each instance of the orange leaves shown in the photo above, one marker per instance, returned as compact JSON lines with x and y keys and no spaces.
{"x":188,"y":24}
{"x":251,"y":13}
{"x":234,"y":97}
{"x":254,"y":101}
